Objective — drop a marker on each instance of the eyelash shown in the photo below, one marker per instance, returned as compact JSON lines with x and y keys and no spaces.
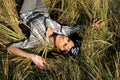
{"x":68,"y":40}
{"x":66,"y":43}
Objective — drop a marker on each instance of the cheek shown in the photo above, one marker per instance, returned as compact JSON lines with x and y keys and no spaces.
{"x":60,"y":46}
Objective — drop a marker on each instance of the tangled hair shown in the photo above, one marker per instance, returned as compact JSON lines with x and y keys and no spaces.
{"x":75,"y":50}
{"x":75,"y":37}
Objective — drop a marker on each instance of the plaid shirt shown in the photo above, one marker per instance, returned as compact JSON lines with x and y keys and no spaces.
{"x":38,"y":24}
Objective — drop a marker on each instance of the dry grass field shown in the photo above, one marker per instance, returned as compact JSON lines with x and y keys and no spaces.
{"x":100,"y":49}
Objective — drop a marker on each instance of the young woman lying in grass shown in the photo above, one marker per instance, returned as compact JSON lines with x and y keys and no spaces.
{"x":35,"y":15}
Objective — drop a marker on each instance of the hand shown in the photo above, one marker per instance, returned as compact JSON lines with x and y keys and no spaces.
{"x":97,"y":24}
{"x":39,"y":61}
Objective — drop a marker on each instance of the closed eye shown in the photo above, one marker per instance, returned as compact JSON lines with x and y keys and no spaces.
{"x":69,"y":40}
{"x":65,"y":45}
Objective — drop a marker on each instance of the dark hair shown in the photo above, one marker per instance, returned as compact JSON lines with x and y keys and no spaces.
{"x":77,"y":42}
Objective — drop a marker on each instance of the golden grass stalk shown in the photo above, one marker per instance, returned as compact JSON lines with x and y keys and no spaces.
{"x":99,"y":57}
{"x":9,"y":22}
{"x":9,"y":14}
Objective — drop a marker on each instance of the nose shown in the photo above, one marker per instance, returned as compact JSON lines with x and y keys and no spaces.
{"x":68,"y":48}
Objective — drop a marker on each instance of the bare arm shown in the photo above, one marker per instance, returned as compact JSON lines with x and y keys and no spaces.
{"x":38,"y":60}
{"x":19,"y":52}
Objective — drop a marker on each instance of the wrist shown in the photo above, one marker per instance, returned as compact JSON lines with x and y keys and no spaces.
{"x":30,"y":56}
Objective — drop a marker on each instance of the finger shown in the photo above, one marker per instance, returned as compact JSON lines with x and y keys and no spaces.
{"x":42,"y":66}
{"x":45,"y":63}
{"x":95,"y":20}
{"x":41,"y":63}
{"x":100,"y":21}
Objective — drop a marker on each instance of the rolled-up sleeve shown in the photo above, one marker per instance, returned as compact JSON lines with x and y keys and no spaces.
{"x":68,"y":30}
{"x":27,"y":43}
{"x":61,"y":29}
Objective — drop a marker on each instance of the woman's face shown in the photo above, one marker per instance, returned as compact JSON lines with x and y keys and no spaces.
{"x":63,"y":43}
